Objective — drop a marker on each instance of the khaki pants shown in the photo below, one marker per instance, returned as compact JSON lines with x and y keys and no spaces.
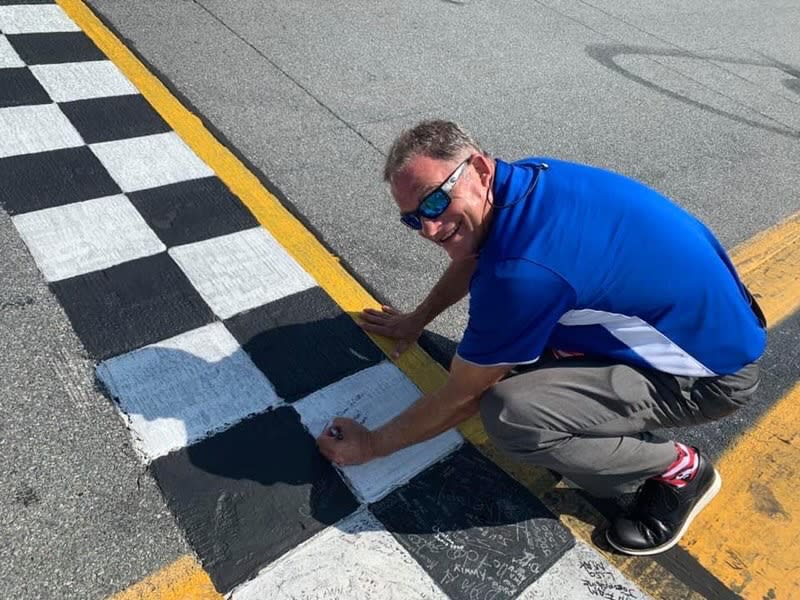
{"x":590,"y":420}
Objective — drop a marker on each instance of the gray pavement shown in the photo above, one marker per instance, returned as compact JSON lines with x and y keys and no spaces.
{"x":700,"y":102}
{"x":79,"y":518}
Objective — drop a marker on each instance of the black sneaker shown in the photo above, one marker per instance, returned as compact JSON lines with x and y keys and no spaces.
{"x":663,"y":512}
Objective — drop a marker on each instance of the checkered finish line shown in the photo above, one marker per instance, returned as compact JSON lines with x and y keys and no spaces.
{"x":225,"y":359}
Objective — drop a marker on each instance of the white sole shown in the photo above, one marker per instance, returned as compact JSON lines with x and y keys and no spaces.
{"x":701,"y":504}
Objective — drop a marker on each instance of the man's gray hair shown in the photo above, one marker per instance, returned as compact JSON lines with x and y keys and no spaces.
{"x":443,"y":140}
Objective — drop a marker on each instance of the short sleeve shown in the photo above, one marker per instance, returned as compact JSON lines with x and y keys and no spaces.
{"x":514,"y":306}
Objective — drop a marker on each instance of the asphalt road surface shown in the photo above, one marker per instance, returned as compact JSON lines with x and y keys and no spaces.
{"x":701,"y":102}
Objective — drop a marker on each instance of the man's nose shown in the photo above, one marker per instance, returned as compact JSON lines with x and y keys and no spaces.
{"x":429,"y":228}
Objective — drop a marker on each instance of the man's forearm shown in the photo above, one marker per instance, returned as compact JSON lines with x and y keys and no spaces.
{"x":426,"y":418}
{"x":452,"y":286}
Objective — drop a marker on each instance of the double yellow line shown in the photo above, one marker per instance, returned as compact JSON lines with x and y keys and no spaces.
{"x":746,"y":537}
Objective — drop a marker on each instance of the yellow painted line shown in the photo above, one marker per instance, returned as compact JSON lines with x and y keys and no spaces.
{"x":584,"y":520}
{"x":757,"y":259}
{"x":770,"y":266}
{"x":182,"y":580}
{"x":749,"y":535}
{"x":301,"y":245}
{"x":284,"y":227}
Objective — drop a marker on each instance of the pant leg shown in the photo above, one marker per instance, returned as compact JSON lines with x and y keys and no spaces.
{"x":589,"y":420}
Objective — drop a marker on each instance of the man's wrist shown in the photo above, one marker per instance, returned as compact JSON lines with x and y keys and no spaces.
{"x":422,"y":315}
{"x":374,"y":441}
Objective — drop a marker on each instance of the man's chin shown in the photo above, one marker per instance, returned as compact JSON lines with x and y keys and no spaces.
{"x":457,"y":251}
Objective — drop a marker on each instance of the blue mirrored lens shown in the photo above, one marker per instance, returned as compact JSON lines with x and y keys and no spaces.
{"x":434,"y":205}
{"x":411,"y":220}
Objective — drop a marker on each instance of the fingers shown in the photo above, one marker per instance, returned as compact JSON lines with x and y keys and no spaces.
{"x":342,"y":422}
{"x":373,"y":327}
{"x":382,"y":325}
{"x":385,"y":312}
{"x":400,"y":347}
{"x":352,"y":447}
{"x":373,"y":316}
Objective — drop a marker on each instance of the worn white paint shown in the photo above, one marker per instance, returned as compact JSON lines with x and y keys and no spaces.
{"x":9,"y":58}
{"x":150,"y":161}
{"x":240,"y":271}
{"x":29,"y":129}
{"x":86,"y":236}
{"x":179,"y":391}
{"x":42,"y":18}
{"x":357,"y":558}
{"x":373,"y":397}
{"x":82,"y":80}
{"x":582,"y":574}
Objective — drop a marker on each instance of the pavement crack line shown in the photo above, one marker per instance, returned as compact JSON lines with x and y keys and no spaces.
{"x":286,"y":74}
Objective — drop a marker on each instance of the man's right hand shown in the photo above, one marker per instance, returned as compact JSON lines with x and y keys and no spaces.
{"x":405,"y":328}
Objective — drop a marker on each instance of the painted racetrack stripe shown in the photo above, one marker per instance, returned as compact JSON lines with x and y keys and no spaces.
{"x":180,"y":580}
{"x":748,"y":534}
{"x":770,"y":266}
{"x":214,"y":486}
{"x":339,"y":284}
{"x":324,"y":267}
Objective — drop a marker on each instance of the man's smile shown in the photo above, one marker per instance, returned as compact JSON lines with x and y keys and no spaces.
{"x":448,"y":236}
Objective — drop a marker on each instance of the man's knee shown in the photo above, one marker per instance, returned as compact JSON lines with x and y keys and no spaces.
{"x":720,"y":396}
{"x":511,"y":424}
{"x":491,"y":407}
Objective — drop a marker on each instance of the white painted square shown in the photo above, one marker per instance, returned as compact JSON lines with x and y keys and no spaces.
{"x":29,"y":129}
{"x":82,"y":80}
{"x":86,"y":236}
{"x":373,"y":397}
{"x":179,"y":391}
{"x":582,"y":574}
{"x":9,"y":58}
{"x":41,"y":18}
{"x":240,"y":271}
{"x":150,"y":161}
{"x":357,"y":558}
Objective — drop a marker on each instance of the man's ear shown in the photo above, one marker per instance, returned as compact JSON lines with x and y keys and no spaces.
{"x":483,"y":167}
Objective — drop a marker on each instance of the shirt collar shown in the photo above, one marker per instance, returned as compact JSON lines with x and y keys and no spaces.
{"x":510,"y":182}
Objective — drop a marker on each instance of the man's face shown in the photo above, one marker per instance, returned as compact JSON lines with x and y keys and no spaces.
{"x":460,"y":229}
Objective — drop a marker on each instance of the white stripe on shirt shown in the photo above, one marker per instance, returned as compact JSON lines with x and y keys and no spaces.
{"x":644,"y":339}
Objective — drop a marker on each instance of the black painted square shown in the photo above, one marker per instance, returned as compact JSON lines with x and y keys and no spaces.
{"x":192,"y":211}
{"x":113,"y":118}
{"x":130,"y":305}
{"x":18,"y":87}
{"x":303,"y":342}
{"x":476,"y":531}
{"x":47,"y":179}
{"x":247,"y":495}
{"x":56,"y":47}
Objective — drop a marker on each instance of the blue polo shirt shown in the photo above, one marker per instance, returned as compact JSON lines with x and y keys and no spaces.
{"x":591,"y":261}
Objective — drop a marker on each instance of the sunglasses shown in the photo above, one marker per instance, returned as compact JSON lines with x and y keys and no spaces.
{"x":435,"y":203}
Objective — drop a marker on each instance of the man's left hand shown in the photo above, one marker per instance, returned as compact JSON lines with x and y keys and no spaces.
{"x":355,"y":446}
